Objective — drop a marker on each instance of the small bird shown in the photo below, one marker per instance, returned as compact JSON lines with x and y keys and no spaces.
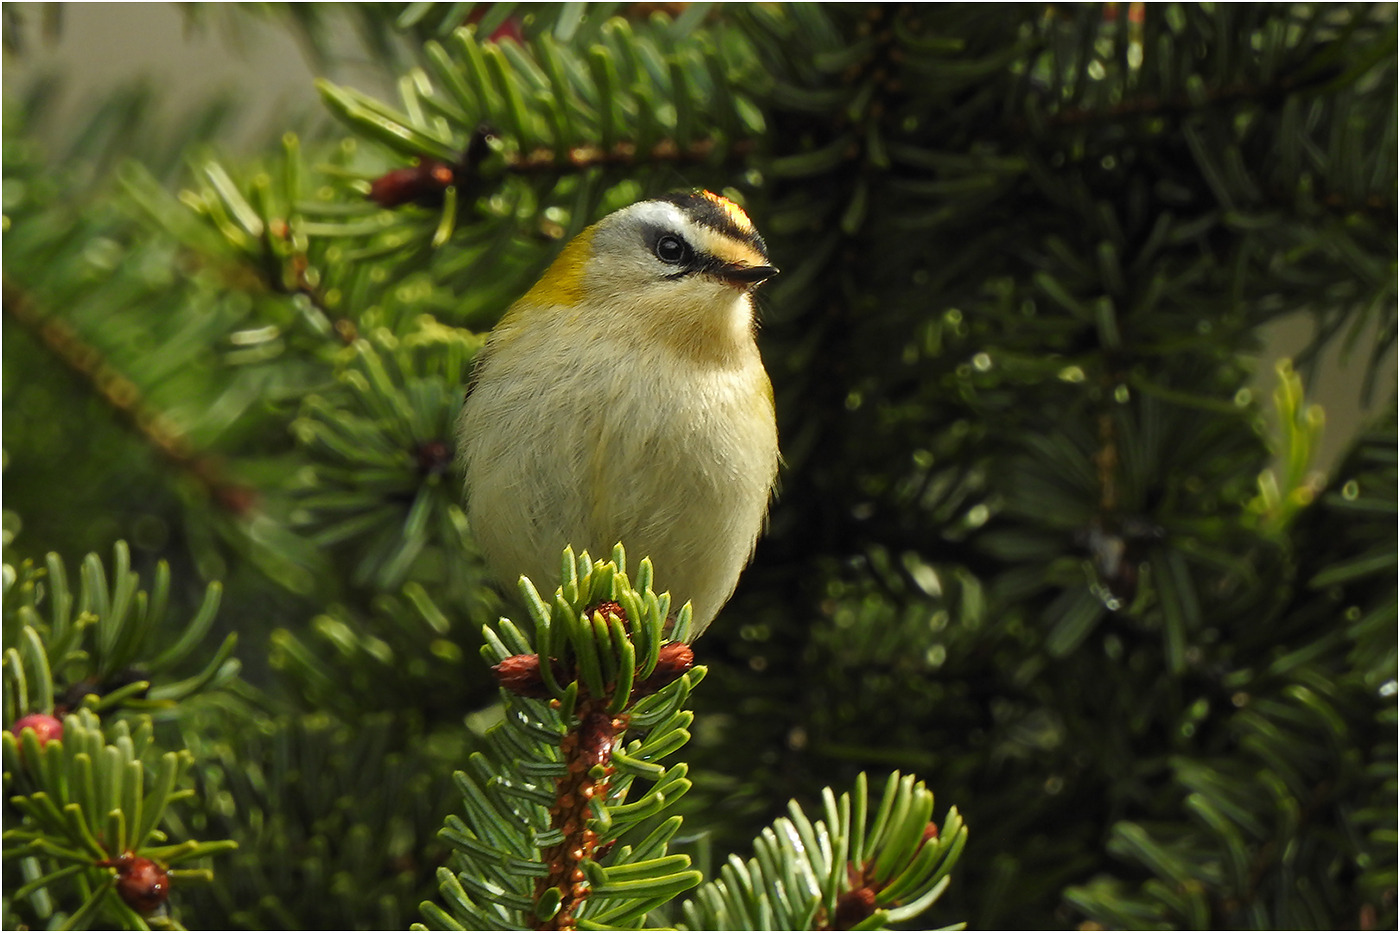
{"x":623,"y":399}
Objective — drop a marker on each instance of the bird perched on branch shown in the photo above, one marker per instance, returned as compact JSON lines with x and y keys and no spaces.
{"x":623,"y":399}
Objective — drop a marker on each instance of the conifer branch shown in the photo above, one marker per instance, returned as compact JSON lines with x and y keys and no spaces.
{"x":294,"y":280}
{"x":587,"y":749}
{"x":426,"y":182}
{"x":986,"y":222}
{"x":125,"y":398}
{"x":626,"y":154}
{"x":1183,"y":106}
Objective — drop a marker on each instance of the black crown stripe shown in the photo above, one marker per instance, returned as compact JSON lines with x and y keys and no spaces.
{"x":709,"y":213}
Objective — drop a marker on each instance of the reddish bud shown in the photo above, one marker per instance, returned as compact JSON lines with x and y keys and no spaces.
{"x":433,"y":458}
{"x":510,"y":29}
{"x":235,"y":498}
{"x":674,"y":660}
{"x":422,"y":184}
{"x":45,"y":727}
{"x":852,"y":907}
{"x":141,"y":883}
{"x":930,"y":833}
{"x":520,"y":675}
{"x":609,"y":608}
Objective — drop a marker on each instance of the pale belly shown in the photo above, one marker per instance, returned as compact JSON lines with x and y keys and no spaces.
{"x":589,"y":460}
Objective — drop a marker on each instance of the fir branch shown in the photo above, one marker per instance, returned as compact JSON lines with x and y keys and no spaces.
{"x":1266,"y":94}
{"x":263,"y":245}
{"x":426,"y":181}
{"x":549,"y":812}
{"x":587,"y":746}
{"x":276,"y":279}
{"x":91,"y":818}
{"x":108,"y":655}
{"x":125,"y":398}
{"x":853,"y":870}
{"x":923,"y":584}
{"x":625,"y":154}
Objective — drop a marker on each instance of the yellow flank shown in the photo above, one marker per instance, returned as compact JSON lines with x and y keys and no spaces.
{"x":562,"y":282}
{"x":735,"y":212}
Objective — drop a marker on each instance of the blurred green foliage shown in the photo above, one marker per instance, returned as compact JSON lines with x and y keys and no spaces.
{"x":1025,"y":546}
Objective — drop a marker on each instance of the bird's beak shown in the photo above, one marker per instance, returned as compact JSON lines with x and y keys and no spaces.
{"x":741,"y":275}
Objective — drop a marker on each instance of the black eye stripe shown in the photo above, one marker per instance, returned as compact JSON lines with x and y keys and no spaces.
{"x":706,"y":211}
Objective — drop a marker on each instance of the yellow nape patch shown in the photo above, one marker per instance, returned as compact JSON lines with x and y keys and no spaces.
{"x":562,"y":282}
{"x":734,"y":212}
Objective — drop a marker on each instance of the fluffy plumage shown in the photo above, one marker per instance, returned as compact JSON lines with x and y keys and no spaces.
{"x":623,"y":399}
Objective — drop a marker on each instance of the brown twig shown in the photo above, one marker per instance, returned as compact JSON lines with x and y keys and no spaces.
{"x":126,"y":399}
{"x":587,"y":746}
{"x":1106,"y":459}
{"x":580,"y":158}
{"x":425,"y":182}
{"x":587,"y":752}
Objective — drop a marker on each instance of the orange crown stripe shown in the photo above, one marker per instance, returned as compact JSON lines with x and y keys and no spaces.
{"x":734,"y":212}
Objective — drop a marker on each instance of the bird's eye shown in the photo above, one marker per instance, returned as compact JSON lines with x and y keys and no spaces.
{"x":672,"y":249}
